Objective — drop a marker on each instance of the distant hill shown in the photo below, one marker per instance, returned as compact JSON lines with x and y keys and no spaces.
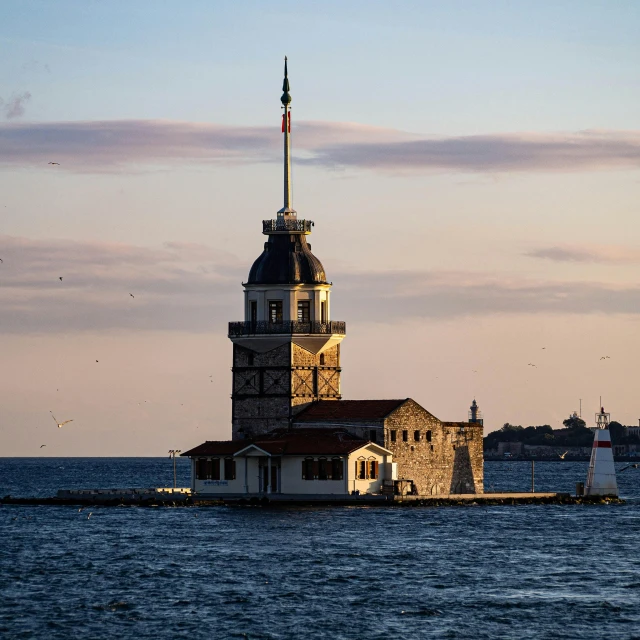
{"x":574,"y":434}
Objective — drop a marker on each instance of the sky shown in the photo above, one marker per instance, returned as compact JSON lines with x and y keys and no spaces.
{"x":472,"y":169}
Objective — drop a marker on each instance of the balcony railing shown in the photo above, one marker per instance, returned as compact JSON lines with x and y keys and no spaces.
{"x":238,"y":329}
{"x":286,"y":225}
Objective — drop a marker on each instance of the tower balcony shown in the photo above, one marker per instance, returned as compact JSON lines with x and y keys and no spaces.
{"x":285,"y":225}
{"x":289,"y":327}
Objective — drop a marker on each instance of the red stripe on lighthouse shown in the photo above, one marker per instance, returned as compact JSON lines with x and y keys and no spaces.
{"x":602,"y":444}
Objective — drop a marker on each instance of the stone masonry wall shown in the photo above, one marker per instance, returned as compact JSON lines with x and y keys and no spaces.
{"x":436,"y":456}
{"x":269,"y":388}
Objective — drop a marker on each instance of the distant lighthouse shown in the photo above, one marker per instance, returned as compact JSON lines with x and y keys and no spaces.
{"x":475,"y":415}
{"x":601,"y":477}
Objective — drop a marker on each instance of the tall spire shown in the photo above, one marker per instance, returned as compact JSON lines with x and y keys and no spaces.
{"x":286,"y":129}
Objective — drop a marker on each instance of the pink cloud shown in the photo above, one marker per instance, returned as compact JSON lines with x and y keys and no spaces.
{"x":112,"y":145}
{"x":607,"y":254}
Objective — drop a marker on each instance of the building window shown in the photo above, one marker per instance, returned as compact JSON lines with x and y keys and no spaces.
{"x":373,"y":469}
{"x":322,"y":359}
{"x":307,"y":469}
{"x":201,"y":469}
{"x":428,"y":436}
{"x":253,"y":311}
{"x":416,"y":436}
{"x":304,"y":311}
{"x":393,"y":435}
{"x":215,"y":469}
{"x":229,"y":469}
{"x":336,"y":469}
{"x":275,"y":311}
{"x":323,"y":469}
{"x":323,"y":311}
{"x":361,"y":469}
{"x":405,"y":436}
{"x":373,"y":435}
{"x":250,"y":359}
{"x":431,"y":447}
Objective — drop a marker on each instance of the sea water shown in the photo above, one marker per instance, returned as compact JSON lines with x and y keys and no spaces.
{"x":526,"y":571}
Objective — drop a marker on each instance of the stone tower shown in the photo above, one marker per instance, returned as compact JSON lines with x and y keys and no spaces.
{"x":286,"y":351}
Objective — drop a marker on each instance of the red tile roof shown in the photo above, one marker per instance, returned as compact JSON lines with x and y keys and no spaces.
{"x":348,"y":410}
{"x":298,"y":442}
{"x":220,"y":447}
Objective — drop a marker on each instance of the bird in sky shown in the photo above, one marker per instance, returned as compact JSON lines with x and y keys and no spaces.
{"x":1,"y":260}
{"x":60,"y":424}
{"x":604,"y":358}
{"x":531,"y":365}
{"x":96,"y":361}
{"x":131,"y":294}
{"x":90,"y":514}
{"x":54,"y":163}
{"x":80,"y":509}
{"x":43,"y":445}
{"x":563,"y":455}
{"x":544,"y":347}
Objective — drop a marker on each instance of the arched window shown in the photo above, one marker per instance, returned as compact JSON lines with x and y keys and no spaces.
{"x":361,"y":469}
{"x":322,"y":359}
{"x":307,"y":469}
{"x":229,"y":469}
{"x":323,"y":469}
{"x":250,"y":359}
{"x":336,"y":469}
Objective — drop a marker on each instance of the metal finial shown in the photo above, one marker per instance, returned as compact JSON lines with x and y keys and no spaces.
{"x":286,"y":98}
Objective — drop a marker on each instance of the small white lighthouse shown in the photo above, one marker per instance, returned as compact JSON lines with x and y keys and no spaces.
{"x":601,"y":477}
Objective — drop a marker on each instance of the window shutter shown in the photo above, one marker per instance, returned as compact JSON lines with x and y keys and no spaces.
{"x":375,"y":470}
{"x":209,"y":467}
{"x":233,"y":470}
{"x":357,"y":470}
{"x":216,"y":469}
{"x":304,"y":469}
{"x":315,"y":469}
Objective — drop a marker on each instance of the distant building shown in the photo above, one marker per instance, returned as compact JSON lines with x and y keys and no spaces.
{"x":289,"y":422}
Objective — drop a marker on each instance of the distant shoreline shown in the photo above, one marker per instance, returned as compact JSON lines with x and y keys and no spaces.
{"x":557,"y":459}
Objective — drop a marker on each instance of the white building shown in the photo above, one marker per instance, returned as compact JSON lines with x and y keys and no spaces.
{"x":304,"y":462}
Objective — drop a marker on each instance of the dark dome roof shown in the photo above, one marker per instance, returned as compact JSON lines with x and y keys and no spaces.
{"x":287,"y":259}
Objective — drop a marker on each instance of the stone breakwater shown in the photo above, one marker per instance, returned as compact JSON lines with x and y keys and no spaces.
{"x":113,"y":498}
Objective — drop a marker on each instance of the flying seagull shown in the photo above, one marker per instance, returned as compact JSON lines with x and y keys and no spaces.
{"x":54,"y":163}
{"x":605,"y":358}
{"x":1,"y":260}
{"x":60,"y":278}
{"x":563,"y":455}
{"x":131,"y":294}
{"x":90,"y":514}
{"x":60,"y":424}
{"x":96,"y":361}
{"x":531,"y":365}
{"x":43,"y":445}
